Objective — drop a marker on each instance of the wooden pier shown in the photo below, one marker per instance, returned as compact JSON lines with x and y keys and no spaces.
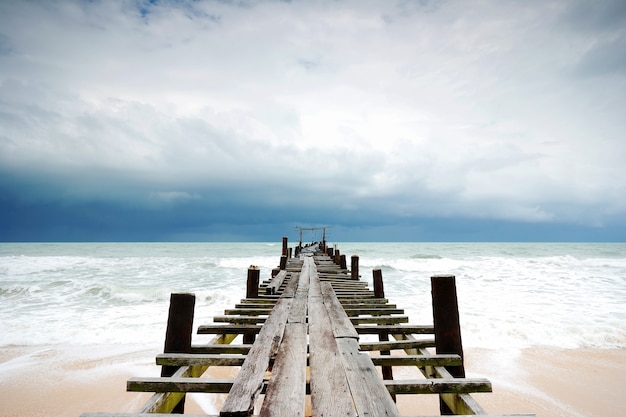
{"x":314,"y":340}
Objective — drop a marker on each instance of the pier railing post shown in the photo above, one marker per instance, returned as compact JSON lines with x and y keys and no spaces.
{"x":178,"y":333}
{"x":379,"y":292}
{"x":283,"y":262}
{"x":285,"y":250}
{"x":447,"y":326}
{"x":342,"y":262}
{"x":354,"y":267}
{"x":252,"y":291}
{"x":252,"y":285}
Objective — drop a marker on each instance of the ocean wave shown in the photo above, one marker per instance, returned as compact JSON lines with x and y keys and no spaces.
{"x":425,"y":256}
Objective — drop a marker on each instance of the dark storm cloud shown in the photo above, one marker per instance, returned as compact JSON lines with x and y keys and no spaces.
{"x":398,"y":120}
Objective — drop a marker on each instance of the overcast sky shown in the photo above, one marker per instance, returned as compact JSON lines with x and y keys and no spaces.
{"x":386,"y":120}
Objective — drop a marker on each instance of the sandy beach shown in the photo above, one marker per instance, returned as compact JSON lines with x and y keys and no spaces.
{"x":67,"y":381}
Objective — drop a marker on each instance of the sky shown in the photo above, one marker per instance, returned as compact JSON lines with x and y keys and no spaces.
{"x":180,"y":120}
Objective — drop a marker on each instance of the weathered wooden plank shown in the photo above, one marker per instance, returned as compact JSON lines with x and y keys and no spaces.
{"x":177,"y":384}
{"x":238,"y":319}
{"x":368,"y":300}
{"x":370,"y":396}
{"x":186,"y":359}
{"x":287,"y":385}
{"x":249,"y":381}
{"x":276,"y":282}
{"x":489,"y":415}
{"x":330,"y":393}
{"x":229,"y":329}
{"x":353,"y":312}
{"x":141,"y":415}
{"x":255,"y":311}
{"x":220,"y":349}
{"x":379,"y":320}
{"x":438,"y":386}
{"x":417,"y":360}
{"x":212,"y":415}
{"x":342,"y":327}
{"x":394,"y":329}
{"x":397,"y":344}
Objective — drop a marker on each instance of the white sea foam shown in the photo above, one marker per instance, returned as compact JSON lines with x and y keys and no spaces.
{"x":510,"y":295}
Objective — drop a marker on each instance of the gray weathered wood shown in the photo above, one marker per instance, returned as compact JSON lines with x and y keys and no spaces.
{"x":249,"y":381}
{"x":186,"y":359}
{"x":286,"y":389}
{"x":276,"y":283}
{"x":177,"y":384}
{"x":417,"y":360}
{"x":397,"y":344}
{"x":330,"y":393}
{"x":438,"y":385}
{"x":394,"y":329}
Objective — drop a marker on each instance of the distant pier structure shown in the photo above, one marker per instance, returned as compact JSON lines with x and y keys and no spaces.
{"x":314,"y":340}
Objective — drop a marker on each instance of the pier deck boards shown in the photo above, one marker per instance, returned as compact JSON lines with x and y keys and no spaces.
{"x":303,"y":355}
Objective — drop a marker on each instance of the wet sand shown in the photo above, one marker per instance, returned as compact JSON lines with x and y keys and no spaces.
{"x":67,"y":381}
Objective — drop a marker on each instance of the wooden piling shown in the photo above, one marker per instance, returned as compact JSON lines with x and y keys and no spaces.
{"x":252,"y":287}
{"x":252,"y":291}
{"x":178,"y":334}
{"x":354,"y":267}
{"x":379,"y":292}
{"x":283,"y":263}
{"x":285,"y":250}
{"x":342,"y":262}
{"x":447,"y":326}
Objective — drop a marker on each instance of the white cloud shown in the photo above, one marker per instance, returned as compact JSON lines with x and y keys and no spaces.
{"x":492,"y":108}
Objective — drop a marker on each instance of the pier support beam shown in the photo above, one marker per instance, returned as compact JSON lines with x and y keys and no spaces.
{"x":354,"y":267}
{"x":379,"y":292}
{"x":252,"y":291}
{"x":285,"y":250}
{"x":446,"y":323}
{"x":178,"y":333}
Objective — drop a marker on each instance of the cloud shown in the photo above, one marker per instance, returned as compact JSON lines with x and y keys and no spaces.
{"x":500,"y":111}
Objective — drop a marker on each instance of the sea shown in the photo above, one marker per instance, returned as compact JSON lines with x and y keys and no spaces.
{"x":510,"y":295}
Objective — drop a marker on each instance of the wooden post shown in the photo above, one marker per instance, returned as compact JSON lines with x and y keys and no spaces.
{"x":337,"y":259}
{"x":252,"y":291}
{"x":354,"y":267}
{"x":252,"y":287}
{"x":275,"y":272}
{"x":330,"y":253}
{"x":285,"y":246}
{"x":447,"y":326}
{"x":342,"y":262}
{"x":283,"y":263}
{"x":178,"y":334}
{"x":379,"y":292}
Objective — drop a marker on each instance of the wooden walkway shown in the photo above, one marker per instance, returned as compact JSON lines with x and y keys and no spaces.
{"x":302,"y":353}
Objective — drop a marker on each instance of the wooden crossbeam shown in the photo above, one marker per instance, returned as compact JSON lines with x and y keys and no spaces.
{"x":395,"y":329}
{"x":397,"y":344}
